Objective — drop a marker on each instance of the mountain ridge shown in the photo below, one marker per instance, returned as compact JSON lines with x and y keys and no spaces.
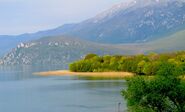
{"x":134,"y":24}
{"x":62,"y":50}
{"x":130,"y":22}
{"x":55,"y":50}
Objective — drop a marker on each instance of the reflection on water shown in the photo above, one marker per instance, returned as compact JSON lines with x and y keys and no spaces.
{"x":20,"y":91}
{"x":23,"y":72}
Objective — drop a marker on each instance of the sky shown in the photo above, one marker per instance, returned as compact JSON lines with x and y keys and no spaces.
{"x":28,"y":16}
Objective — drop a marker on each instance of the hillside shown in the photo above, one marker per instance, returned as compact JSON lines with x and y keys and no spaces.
{"x":55,"y":51}
{"x":136,"y":21}
{"x":173,"y":42}
{"x":170,"y":43}
{"x":9,"y":42}
{"x":62,"y":50}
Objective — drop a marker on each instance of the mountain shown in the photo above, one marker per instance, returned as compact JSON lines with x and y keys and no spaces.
{"x":132,"y":22}
{"x":58,"y":50}
{"x":8,"y":42}
{"x":62,"y":50}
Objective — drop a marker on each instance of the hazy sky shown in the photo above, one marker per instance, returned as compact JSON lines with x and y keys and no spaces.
{"x":25,"y":16}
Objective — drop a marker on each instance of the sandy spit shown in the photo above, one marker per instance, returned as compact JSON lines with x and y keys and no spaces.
{"x":86,"y":74}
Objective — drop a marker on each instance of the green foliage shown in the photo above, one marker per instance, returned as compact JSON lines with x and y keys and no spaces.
{"x":139,"y":64}
{"x":163,"y":93}
{"x":90,"y":56}
{"x":169,"y":69}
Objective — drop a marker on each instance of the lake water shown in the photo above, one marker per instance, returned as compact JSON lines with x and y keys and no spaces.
{"x":20,"y":91}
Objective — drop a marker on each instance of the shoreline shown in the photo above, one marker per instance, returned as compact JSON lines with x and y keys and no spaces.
{"x":86,"y":74}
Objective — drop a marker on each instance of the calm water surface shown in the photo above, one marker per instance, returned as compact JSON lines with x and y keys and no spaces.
{"x":20,"y":91}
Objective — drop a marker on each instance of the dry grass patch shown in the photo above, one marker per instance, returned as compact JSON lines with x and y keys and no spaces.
{"x":86,"y":74}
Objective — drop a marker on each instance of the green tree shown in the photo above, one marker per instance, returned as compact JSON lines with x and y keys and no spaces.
{"x":140,"y":67}
{"x":90,"y":56}
{"x":163,"y":93}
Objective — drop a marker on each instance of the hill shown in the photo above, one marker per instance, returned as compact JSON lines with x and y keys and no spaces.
{"x":63,"y":50}
{"x":55,"y":51}
{"x":9,"y":42}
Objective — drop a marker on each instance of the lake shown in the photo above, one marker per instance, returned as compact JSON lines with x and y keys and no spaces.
{"x":20,"y":91}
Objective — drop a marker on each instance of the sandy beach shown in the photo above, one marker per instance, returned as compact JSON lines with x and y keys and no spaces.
{"x":86,"y":74}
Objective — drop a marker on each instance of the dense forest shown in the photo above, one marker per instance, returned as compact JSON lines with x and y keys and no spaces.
{"x":163,"y":91}
{"x":139,"y":64}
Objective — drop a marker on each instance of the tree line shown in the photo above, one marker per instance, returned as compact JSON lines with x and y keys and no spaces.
{"x":140,"y":64}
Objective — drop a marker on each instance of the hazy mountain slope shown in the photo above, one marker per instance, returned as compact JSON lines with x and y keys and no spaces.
{"x":62,"y":50}
{"x":56,"y":50}
{"x":174,"y":42}
{"x":9,"y":42}
{"x":137,"y":21}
